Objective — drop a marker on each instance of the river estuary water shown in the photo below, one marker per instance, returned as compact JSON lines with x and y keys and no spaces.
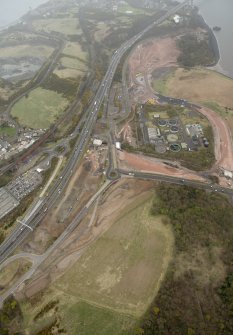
{"x":215,"y":13}
{"x":220,"y":13}
{"x":12,"y":10}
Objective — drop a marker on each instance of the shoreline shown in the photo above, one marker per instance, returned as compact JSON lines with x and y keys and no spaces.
{"x":20,"y":19}
{"x":14,"y":23}
{"x":216,"y":66}
{"x":213,"y":42}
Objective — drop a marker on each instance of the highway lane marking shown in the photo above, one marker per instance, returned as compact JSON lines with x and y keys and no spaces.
{"x":24,"y":224}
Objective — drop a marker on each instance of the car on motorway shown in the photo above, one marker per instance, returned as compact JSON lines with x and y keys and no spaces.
{"x":121,"y":51}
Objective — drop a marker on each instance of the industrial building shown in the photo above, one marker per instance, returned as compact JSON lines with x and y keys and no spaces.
{"x":118,"y":145}
{"x":97,"y":142}
{"x":153,"y":134}
{"x":194,"y":130}
{"x":177,"y":18}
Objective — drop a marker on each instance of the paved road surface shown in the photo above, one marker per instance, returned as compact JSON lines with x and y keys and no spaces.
{"x":21,"y":232}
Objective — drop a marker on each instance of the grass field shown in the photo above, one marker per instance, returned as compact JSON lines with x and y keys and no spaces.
{"x":208,"y":87}
{"x":16,"y":36}
{"x":68,"y":73}
{"x":10,"y":273}
{"x":26,"y":50}
{"x":160,"y":85}
{"x":73,"y":63}
{"x":125,"y":21}
{"x":75,"y":50}
{"x":7,"y":131}
{"x":102,"y":30}
{"x":40,"y":109}
{"x":66,"y":26}
{"x":123,"y":8}
{"x":188,"y":117}
{"x":201,"y":85}
{"x":123,"y":269}
{"x":85,"y":319}
{"x":78,"y":317}
{"x":115,"y":280}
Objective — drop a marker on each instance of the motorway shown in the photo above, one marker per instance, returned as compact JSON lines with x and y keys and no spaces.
{"x":176,"y":180}
{"x":40,"y":206}
{"x":38,"y":259}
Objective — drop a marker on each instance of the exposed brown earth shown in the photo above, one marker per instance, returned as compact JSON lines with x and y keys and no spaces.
{"x":149,"y":56}
{"x":146,"y":164}
{"x":80,"y":189}
{"x":223,"y":142}
{"x":98,"y":221}
{"x":159,"y":54}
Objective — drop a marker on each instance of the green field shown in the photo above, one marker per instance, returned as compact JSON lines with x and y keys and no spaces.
{"x":194,"y":85}
{"x":73,"y":63}
{"x":77,"y":317}
{"x":122,"y":270}
{"x":26,"y":50}
{"x":160,"y":85}
{"x":75,"y":50}
{"x":123,"y":8}
{"x":66,"y":26}
{"x":85,"y":319}
{"x":113,"y":283}
{"x":7,"y":131}
{"x":11,"y":272}
{"x":68,"y":73}
{"x":102,"y":30}
{"x":40,"y":109}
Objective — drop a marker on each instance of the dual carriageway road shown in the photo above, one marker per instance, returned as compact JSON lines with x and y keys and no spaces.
{"x":37,"y":212}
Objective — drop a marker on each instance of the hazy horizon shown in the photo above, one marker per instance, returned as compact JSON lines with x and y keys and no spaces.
{"x":12,"y":10}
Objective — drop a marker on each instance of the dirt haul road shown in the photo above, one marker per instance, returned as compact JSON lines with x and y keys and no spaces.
{"x":222,"y":137}
{"x":149,"y":56}
{"x":146,"y":164}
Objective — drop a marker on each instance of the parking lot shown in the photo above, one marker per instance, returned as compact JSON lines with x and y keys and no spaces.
{"x":24,"y":184}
